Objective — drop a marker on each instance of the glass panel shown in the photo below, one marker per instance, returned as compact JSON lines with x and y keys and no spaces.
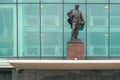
{"x":97,"y":1}
{"x":74,"y":1}
{"x":67,"y":28}
{"x":115,"y":1}
{"x":7,"y":1}
{"x":51,"y":1}
{"x":97,"y":28}
{"x":8,"y":30}
{"x":29,"y":30}
{"x":52,"y":33}
{"x":28,"y":0}
{"x":114,"y":30}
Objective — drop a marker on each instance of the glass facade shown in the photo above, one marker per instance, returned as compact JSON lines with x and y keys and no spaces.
{"x":39,"y":28}
{"x":8,"y":37}
{"x":51,"y":30}
{"x":97,"y":30}
{"x":28,"y":30}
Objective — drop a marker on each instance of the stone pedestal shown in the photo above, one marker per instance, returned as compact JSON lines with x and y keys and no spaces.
{"x":75,"y":50}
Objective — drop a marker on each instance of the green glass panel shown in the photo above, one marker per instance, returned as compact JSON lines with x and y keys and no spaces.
{"x":115,"y":1}
{"x":7,"y":1}
{"x":74,"y":1}
{"x":97,"y":1}
{"x":97,"y":30}
{"x":28,"y":30}
{"x":28,"y":1}
{"x":67,"y":27}
{"x":114,"y":30}
{"x":51,"y":30}
{"x":8,"y":31}
{"x":49,"y":1}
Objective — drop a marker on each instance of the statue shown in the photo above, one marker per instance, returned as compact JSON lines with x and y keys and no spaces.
{"x":76,"y":21}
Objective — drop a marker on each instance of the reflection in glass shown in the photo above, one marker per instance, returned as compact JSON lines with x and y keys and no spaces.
{"x":114,"y":30}
{"x":51,"y":27}
{"x":97,"y":30}
{"x":29,"y":30}
{"x":7,"y":33}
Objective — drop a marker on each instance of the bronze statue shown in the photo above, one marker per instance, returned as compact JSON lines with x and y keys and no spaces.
{"x":76,"y":21}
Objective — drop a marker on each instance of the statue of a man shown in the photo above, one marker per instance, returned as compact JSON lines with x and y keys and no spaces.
{"x":76,"y":21}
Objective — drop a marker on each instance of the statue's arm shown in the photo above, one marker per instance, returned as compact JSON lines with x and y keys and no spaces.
{"x":82,"y":23}
{"x":81,"y":17}
{"x":70,"y":13}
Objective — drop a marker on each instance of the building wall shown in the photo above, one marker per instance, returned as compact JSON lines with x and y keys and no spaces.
{"x":68,"y":75}
{"x":5,"y":75}
{"x":59,"y":74}
{"x":39,"y":28}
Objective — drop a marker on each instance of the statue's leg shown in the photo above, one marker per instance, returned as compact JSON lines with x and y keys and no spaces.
{"x":73,"y":31}
{"x":76,"y":32}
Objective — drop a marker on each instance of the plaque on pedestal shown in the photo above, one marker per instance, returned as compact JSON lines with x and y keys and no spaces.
{"x":75,"y":50}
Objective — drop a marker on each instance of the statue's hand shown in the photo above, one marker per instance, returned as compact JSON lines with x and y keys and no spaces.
{"x":82,"y":23}
{"x":71,"y":16}
{"x":81,"y":28}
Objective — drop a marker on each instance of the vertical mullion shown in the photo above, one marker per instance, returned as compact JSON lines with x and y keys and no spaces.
{"x":40,"y":26}
{"x":109,"y":29}
{"x":63,"y":27}
{"x":86,"y":28}
{"x":17,"y":26}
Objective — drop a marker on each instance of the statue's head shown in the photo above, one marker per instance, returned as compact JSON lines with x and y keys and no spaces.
{"x":76,"y":6}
